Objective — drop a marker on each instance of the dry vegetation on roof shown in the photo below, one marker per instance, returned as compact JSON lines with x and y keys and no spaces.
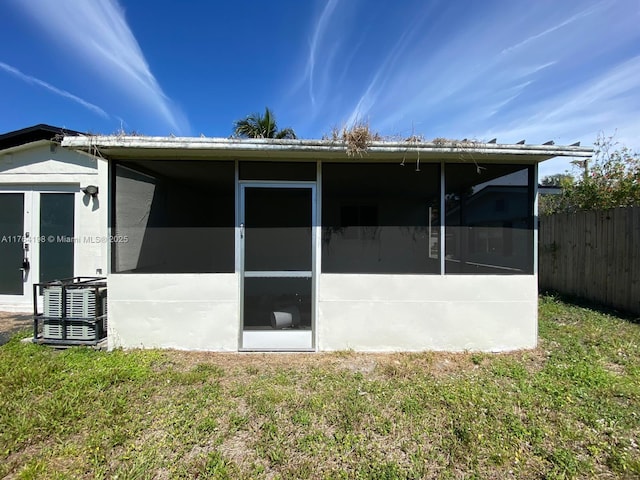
{"x":455,"y":143}
{"x":415,"y":138}
{"x":358,"y":138}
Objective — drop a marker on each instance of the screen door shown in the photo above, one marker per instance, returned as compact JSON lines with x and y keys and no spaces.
{"x":277,"y":246}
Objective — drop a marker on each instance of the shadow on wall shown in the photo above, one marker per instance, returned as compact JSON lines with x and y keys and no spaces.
{"x":174,"y":217}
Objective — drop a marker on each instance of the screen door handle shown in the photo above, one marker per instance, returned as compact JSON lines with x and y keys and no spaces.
{"x":242,"y":230}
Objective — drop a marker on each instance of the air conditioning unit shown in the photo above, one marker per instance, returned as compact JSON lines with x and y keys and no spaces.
{"x":80,"y":304}
{"x":52,"y":310}
{"x":53,"y":301}
{"x":84,"y":302}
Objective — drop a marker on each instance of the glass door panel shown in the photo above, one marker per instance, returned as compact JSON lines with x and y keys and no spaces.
{"x":277,"y":303}
{"x":277,"y":247}
{"x":56,"y":228}
{"x":277,"y":229}
{"x":11,"y":243}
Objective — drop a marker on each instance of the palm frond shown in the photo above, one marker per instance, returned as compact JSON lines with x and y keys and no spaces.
{"x":256,"y":125}
{"x":286,"y":133}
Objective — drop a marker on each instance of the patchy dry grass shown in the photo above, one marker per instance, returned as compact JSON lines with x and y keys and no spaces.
{"x":568,"y":409}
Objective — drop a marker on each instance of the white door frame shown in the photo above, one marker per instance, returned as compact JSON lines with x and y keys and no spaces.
{"x":31,"y":194}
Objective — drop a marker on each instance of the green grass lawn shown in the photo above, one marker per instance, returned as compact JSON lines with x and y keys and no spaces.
{"x":569,"y":409}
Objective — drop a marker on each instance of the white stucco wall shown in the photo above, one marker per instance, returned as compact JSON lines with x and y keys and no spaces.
{"x":182,"y":311}
{"x":427,"y":312}
{"x":359,"y":312}
{"x":36,"y":167}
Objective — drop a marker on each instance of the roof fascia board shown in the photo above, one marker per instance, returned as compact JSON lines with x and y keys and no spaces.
{"x":266,"y":147}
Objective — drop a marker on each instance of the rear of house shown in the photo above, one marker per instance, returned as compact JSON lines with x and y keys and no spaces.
{"x":49,"y":228}
{"x":278,"y":245}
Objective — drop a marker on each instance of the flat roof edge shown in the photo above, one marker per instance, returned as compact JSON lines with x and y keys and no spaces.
{"x":272,"y":145}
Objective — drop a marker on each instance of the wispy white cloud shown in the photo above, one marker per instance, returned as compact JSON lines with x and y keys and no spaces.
{"x":471,"y":79}
{"x":58,"y":91}
{"x":607,"y":103}
{"x":513,"y":93}
{"x":495,"y":69}
{"x":611,"y":98}
{"x":340,"y":46}
{"x":318,"y":32}
{"x":377,"y":84}
{"x":589,"y":11}
{"x":530,"y":70}
{"x":97,"y":33}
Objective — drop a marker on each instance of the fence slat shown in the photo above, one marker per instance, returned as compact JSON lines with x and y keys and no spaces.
{"x":594,"y":255}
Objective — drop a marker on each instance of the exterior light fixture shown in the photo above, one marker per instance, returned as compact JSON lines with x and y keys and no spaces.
{"x":90,"y":190}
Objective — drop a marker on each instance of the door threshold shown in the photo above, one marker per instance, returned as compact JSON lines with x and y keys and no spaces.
{"x":277,"y":340}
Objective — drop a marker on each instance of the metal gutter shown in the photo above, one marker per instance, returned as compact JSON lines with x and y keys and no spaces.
{"x":119,"y":145}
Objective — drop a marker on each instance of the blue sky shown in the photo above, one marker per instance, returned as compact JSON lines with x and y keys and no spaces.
{"x":536,"y":70}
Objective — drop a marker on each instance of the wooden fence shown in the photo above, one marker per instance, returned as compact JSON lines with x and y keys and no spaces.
{"x":594,"y":255}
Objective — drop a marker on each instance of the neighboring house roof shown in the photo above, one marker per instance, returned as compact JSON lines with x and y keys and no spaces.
{"x":549,"y":190}
{"x":34,"y":134}
{"x":486,"y":191}
{"x":121,"y":146}
{"x":492,"y":189}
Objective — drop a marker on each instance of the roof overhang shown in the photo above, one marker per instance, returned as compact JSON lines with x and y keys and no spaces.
{"x":33,"y":135}
{"x":204,"y":148}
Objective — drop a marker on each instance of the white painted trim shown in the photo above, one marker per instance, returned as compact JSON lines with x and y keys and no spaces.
{"x":236,"y":187}
{"x":317,"y":265}
{"x":279,"y":274}
{"x":276,"y":184}
{"x":536,"y":221}
{"x":17,"y":301}
{"x":31,"y":197}
{"x":442,"y":219}
{"x":110,"y":211}
{"x":239,"y":206}
{"x":255,"y":340}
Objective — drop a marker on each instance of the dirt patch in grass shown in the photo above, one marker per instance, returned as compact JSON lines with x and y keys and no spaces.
{"x":11,"y":323}
{"x":371,"y":365}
